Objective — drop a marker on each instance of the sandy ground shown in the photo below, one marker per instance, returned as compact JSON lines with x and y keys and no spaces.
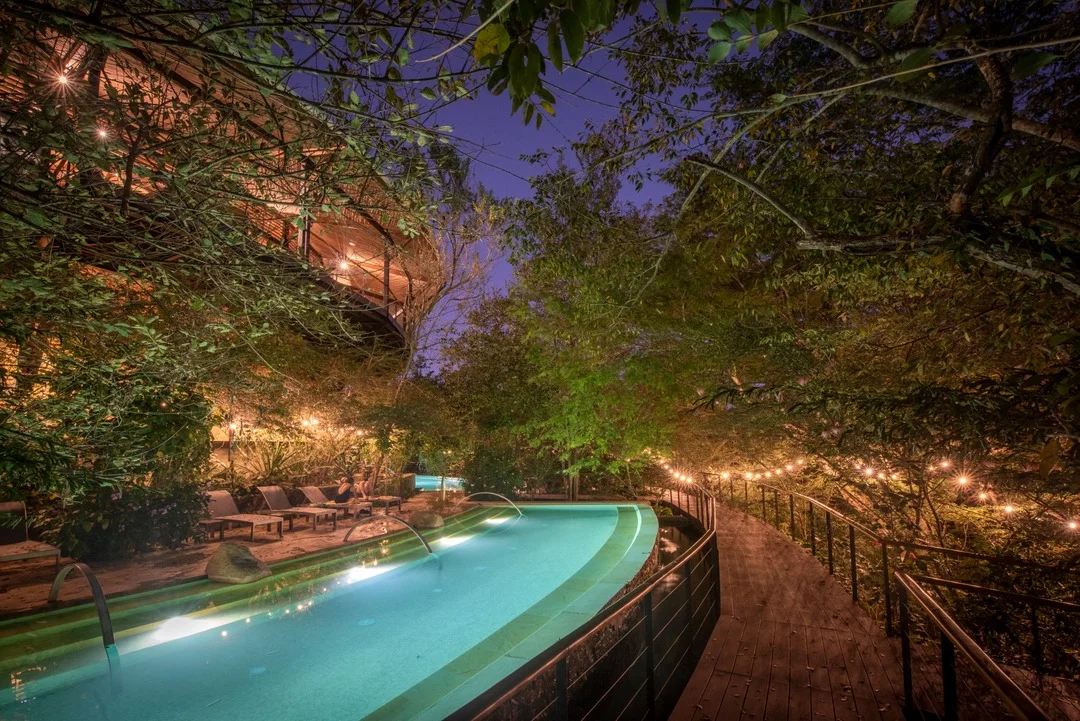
{"x":24,"y":585}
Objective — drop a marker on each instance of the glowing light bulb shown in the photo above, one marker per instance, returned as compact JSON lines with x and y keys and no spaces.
{"x":869,"y":471}
{"x":1073,"y":525}
{"x":233,"y":426}
{"x":945,"y":463}
{"x":983,"y":496}
{"x":62,"y":78}
{"x":725,"y":475}
{"x":344,"y":265}
{"x":789,"y":467}
{"x":768,"y":474}
{"x":1009,"y":509}
{"x":749,"y":476}
{"x":224,"y":634}
{"x":962,"y":480}
{"x":103,"y":133}
{"x":881,"y":476}
{"x":801,"y":461}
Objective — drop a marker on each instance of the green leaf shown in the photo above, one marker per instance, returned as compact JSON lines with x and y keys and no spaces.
{"x":492,"y":40}
{"x":766,"y":38}
{"x":674,"y":10}
{"x":797,"y":14}
{"x":719,"y":31}
{"x":1049,"y":457}
{"x":573,"y":34}
{"x":719,"y":51}
{"x":778,"y":98}
{"x":555,"y":45}
{"x":915,"y":60}
{"x":739,"y":20}
{"x":1032,"y":63}
{"x":743,"y":43}
{"x":900,"y":13}
{"x":428,"y":93}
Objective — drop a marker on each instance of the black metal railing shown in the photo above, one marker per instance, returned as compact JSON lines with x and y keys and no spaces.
{"x":972,"y":685}
{"x":867,"y":556}
{"x":633,"y":659}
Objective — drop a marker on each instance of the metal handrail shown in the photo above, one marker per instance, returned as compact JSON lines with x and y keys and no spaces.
{"x":368,"y":519}
{"x":987,"y":591}
{"x":490,"y":493}
{"x":555,"y":656}
{"x":911,"y":545}
{"x":104,"y":618}
{"x":952,"y":638}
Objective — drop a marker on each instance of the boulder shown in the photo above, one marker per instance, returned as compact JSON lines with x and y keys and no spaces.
{"x":426,"y":519}
{"x":233,"y":563}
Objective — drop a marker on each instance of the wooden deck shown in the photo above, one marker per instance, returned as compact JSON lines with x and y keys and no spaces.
{"x":789,"y":644}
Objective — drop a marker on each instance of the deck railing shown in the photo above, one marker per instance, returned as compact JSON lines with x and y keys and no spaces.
{"x":807,"y":520}
{"x":632,"y":660}
{"x":865,"y":560}
{"x":972,"y":685}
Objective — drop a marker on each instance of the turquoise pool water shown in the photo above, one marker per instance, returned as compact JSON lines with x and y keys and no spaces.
{"x":380,"y":641}
{"x":432,"y":483}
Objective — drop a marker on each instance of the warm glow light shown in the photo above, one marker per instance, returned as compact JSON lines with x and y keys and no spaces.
{"x":983,"y":496}
{"x":1009,"y":509}
{"x":801,"y":461}
{"x":945,"y":464}
{"x":344,"y":265}
{"x":451,"y":541}
{"x":62,"y":79}
{"x":103,"y":133}
{"x":725,"y":475}
{"x":1073,"y":525}
{"x":881,"y":476}
{"x":962,"y":480}
{"x":869,"y":471}
{"x":233,"y":426}
{"x":779,"y":471}
{"x":181,"y":626}
{"x":768,"y":474}
{"x":789,"y":467}
{"x":496,"y":521}
{"x":749,"y":476}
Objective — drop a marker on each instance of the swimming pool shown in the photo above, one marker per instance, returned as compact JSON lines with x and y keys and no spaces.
{"x":401,"y":637}
{"x":433,"y":483}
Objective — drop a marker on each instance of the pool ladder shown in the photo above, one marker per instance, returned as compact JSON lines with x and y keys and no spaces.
{"x":368,"y":519}
{"x":107,"y":636}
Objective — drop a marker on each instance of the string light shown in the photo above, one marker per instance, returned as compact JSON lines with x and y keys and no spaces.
{"x":984,"y":496}
{"x":725,"y":475}
{"x":103,"y":133}
{"x":749,"y":476}
{"x":1073,"y":525}
{"x":62,"y":78}
{"x":945,"y":463}
{"x":1009,"y":509}
{"x":962,"y":480}
{"x":344,"y":265}
{"x":869,"y":472}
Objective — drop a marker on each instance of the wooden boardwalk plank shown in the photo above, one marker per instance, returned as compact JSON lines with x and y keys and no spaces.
{"x":790,"y":645}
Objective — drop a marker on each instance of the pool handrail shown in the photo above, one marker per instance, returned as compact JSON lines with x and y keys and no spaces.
{"x":107,"y":637}
{"x":490,"y":493}
{"x":368,"y":519}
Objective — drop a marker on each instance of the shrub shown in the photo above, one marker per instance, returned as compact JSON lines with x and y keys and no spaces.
{"x":107,"y":524}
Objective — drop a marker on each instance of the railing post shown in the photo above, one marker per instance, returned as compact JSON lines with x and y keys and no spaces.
{"x":1036,"y":640}
{"x":888,"y":592}
{"x":690,"y":610}
{"x":764,"y":516}
{"x":828,"y":539}
{"x":810,"y":523}
{"x":776,"y":508}
{"x":650,"y":658}
{"x":562,"y":702}
{"x":948,"y":677}
{"x":719,"y":589}
{"x":791,"y":511}
{"x":746,"y":493}
{"x":854,"y":566}
{"x":905,"y":648}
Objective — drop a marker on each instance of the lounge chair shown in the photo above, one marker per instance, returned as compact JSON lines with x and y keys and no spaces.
{"x":278,"y":503}
{"x":368,"y":487}
{"x":25,"y":549}
{"x":318,"y":499}
{"x":223,"y":513}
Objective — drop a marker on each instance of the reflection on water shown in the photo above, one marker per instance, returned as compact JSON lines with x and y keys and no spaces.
{"x":673,"y":540}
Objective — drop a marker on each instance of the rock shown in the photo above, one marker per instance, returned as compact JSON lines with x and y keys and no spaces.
{"x":426,"y":519}
{"x":233,"y":563}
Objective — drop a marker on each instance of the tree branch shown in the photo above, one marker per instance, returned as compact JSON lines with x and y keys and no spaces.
{"x":994,"y":259}
{"x":1001,"y":107}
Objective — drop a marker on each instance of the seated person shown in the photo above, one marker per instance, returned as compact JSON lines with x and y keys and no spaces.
{"x":344,"y":491}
